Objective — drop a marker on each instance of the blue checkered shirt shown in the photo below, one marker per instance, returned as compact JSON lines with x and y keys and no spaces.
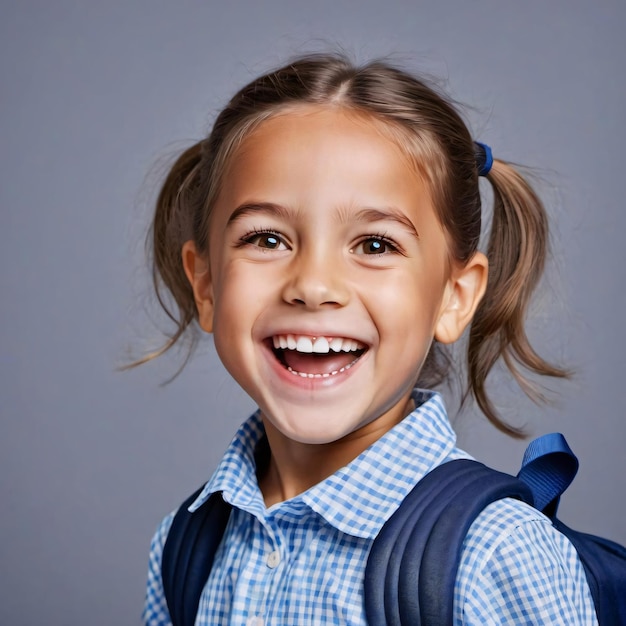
{"x":302,"y":561}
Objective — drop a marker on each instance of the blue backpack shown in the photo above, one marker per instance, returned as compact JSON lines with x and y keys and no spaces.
{"x":411,"y":570}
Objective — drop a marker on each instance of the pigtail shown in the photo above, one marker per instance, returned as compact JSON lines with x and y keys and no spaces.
{"x":517,"y":251}
{"x":171,"y":227}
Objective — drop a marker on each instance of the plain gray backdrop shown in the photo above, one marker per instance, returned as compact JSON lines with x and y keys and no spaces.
{"x":94,"y":95}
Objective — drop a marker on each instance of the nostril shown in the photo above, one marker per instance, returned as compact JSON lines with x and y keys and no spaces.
{"x":313,"y":292}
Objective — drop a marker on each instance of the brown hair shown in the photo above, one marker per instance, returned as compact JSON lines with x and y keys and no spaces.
{"x":439,"y":144}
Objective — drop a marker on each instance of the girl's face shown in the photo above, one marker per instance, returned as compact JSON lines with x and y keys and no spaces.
{"x":328,"y":275}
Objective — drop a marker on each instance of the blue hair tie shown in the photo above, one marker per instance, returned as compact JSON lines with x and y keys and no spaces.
{"x":484,"y":158}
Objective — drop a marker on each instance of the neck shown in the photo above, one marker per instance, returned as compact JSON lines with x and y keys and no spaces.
{"x":295,"y":467}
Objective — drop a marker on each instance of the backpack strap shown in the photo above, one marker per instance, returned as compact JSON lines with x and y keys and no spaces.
{"x":411,"y":570}
{"x":549,"y":466}
{"x":188,"y":555}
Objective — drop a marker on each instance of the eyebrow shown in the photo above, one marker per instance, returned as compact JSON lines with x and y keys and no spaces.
{"x":368,"y":214}
{"x":388,"y":214}
{"x":251,"y":208}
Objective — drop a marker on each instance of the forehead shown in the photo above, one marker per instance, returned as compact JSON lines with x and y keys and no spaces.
{"x":319,"y":148}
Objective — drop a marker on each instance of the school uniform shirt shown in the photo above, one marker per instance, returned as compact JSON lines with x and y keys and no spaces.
{"x":302,"y":561}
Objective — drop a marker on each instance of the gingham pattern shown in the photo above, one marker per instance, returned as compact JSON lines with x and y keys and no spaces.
{"x":302,"y":561}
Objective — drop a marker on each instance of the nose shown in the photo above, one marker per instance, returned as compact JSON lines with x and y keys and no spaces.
{"x":316,"y":280}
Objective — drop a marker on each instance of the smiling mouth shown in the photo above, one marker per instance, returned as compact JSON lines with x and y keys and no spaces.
{"x":316,"y":357}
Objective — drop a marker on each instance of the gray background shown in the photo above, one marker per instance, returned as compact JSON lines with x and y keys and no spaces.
{"x":94,"y":94}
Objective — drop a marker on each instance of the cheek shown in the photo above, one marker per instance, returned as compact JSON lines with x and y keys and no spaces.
{"x":240,"y":294}
{"x":413,"y":295}
{"x":406,"y":310}
{"x":228,"y":292}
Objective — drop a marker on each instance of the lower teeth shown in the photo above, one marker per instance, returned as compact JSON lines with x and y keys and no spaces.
{"x":307,"y":375}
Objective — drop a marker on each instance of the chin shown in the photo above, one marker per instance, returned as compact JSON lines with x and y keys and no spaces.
{"x":312,"y":432}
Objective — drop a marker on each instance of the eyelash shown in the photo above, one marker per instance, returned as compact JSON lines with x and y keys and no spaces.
{"x":249,"y":238}
{"x":392,"y":245}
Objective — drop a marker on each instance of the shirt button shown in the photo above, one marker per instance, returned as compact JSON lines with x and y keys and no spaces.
{"x":273,"y":559}
{"x":254,"y":621}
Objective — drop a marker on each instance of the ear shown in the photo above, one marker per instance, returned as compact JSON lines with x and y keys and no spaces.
{"x":464,"y":291}
{"x":199,"y":276}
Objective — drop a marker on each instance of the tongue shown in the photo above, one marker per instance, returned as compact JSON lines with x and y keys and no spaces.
{"x":317,"y":363}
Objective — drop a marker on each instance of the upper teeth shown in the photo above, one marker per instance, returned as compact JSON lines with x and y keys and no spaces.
{"x":321,"y":345}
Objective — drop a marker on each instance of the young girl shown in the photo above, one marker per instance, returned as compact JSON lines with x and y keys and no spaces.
{"x":326,"y":232}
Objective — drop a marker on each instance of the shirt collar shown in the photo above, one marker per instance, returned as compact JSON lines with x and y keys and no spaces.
{"x":360,"y":497}
{"x":235,"y":476}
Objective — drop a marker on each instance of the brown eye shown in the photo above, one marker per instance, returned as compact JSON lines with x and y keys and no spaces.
{"x":374,"y":245}
{"x":265,"y":240}
{"x":272,"y":242}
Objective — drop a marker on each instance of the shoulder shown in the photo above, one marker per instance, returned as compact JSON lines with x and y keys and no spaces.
{"x":160,"y":536}
{"x":155,"y":611}
{"x":517,"y":568}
